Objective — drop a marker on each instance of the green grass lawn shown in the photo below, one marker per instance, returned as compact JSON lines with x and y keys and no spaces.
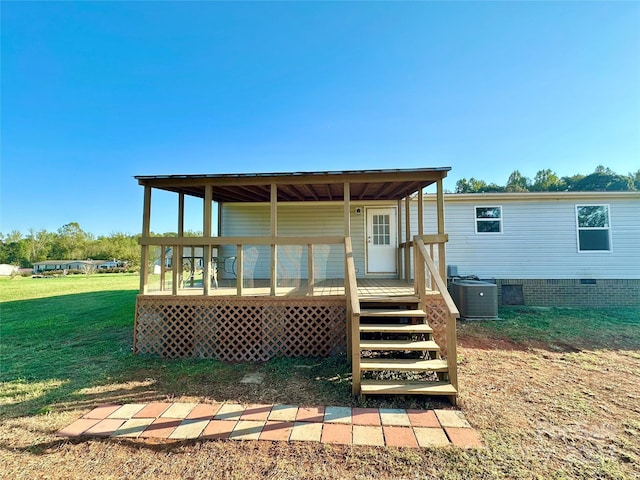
{"x":62,"y":334}
{"x":63,"y":337}
{"x":553,"y":391}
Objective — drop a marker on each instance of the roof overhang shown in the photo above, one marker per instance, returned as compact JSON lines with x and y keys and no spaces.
{"x":301,"y":186}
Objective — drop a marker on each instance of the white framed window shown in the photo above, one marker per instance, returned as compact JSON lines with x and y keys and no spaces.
{"x":381,"y":225}
{"x":488,"y":219}
{"x":593,"y":228}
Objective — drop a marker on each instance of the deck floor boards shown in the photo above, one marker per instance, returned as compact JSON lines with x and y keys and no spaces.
{"x":367,"y":287}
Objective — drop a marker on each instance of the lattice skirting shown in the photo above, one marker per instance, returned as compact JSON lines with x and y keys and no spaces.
{"x":437,"y":317}
{"x":240,"y":329}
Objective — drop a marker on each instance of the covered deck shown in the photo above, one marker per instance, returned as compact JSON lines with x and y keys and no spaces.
{"x":395,"y":186}
{"x":293,"y":307}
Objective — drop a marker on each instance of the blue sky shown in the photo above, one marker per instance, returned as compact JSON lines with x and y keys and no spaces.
{"x":94,"y":93}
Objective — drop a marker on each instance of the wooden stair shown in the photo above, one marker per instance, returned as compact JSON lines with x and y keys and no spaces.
{"x":405,"y":345}
{"x":403,"y":365}
{"x":398,"y":355}
{"x":391,"y":387}
{"x":396,"y":328}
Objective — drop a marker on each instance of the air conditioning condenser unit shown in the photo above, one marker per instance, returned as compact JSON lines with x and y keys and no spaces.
{"x":475,"y":298}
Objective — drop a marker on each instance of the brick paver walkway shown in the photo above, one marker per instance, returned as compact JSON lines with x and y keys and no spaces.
{"x":288,"y":423}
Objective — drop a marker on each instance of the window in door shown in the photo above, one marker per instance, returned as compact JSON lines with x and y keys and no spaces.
{"x":381,"y":229}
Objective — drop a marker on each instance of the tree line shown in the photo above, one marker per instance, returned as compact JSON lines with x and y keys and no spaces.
{"x":602,"y":179}
{"x":70,"y":242}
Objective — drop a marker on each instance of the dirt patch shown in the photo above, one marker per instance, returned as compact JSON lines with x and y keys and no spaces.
{"x":577,"y":409}
{"x":497,"y":343}
{"x":486,"y":343}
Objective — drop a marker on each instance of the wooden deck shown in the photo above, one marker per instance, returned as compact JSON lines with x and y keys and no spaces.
{"x":248,"y":320}
{"x":367,"y":287}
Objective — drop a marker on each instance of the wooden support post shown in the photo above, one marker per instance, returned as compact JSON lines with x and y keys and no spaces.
{"x":193,"y":267}
{"x":442,"y":265}
{"x":407,"y":239}
{"x":310,"y":270}
{"x":356,"y":374}
{"x":239,"y":270}
{"x":346,"y":200}
{"x":420,"y":213}
{"x":347,"y":294}
{"x":431,"y":252}
{"x":146,"y":231}
{"x":206,"y":249}
{"x":417,"y":264}
{"x":178,"y":266}
{"x":353,"y":316}
{"x":452,"y":355}
{"x":206,"y":270}
{"x":399,"y":225}
{"x":176,"y":270}
{"x":420,"y":274}
{"x":347,"y":210}
{"x":163,"y":268}
{"x":274,"y":233}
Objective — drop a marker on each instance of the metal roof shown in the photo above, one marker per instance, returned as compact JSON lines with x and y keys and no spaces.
{"x":65,"y":262}
{"x":391,"y":184}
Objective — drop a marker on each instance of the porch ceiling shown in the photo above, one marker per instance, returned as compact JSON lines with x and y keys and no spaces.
{"x":301,"y":186}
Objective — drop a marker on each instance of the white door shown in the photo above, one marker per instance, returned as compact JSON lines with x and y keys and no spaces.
{"x":381,"y":240}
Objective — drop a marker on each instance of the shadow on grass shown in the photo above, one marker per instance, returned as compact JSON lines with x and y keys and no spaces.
{"x":162,"y":446}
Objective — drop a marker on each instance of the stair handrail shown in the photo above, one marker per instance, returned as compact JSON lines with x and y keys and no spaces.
{"x":422,"y":257}
{"x":353,"y":315}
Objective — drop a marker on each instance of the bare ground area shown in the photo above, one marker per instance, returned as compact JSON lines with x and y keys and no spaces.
{"x":561,"y":412}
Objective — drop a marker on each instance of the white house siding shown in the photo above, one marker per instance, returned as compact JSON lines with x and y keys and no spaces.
{"x":537,"y":249}
{"x":297,"y":219}
{"x":539,"y":237}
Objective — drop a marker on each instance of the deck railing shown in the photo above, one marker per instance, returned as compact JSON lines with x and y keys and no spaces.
{"x":436,"y":245}
{"x":353,"y":316}
{"x":237,"y":246}
{"x":423,"y":266}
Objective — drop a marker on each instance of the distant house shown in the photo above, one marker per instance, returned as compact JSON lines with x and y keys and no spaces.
{"x":547,"y":249}
{"x":110,"y":264}
{"x":55,"y":265}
